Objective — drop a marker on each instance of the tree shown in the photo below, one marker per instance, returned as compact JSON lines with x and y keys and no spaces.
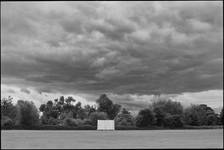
{"x":6,"y":122}
{"x":97,"y":116}
{"x":163,"y":108}
{"x":125,"y":111}
{"x":211,"y":119}
{"x":160,"y":116}
{"x":61,"y":100}
{"x":145,"y":118}
{"x":27,"y":113}
{"x":107,"y":106}
{"x":167,"y":106}
{"x":8,"y":109}
{"x":173,"y":121}
{"x":124,"y":118}
{"x":191,"y":117}
{"x":69,"y":100}
{"x":200,"y":115}
{"x":89,"y":109}
{"x":114,"y":111}
{"x":221,"y":116}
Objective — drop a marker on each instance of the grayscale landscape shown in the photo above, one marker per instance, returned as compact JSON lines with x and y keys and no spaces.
{"x":111,"y":74}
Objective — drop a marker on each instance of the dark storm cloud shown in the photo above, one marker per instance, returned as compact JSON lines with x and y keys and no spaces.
{"x":97,"y":47}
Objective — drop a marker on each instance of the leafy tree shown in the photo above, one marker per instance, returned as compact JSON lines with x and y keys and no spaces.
{"x":160,"y":116}
{"x":166,"y":105}
{"x":58,"y":110}
{"x":61,"y":100}
{"x":124,"y":118}
{"x":27,"y":113}
{"x":8,"y":109}
{"x":97,"y":116}
{"x":89,"y":109}
{"x":125,"y":111}
{"x":191,"y":117}
{"x":173,"y":121}
{"x":163,"y":108}
{"x":221,"y":116}
{"x":107,"y":106}
{"x":42,"y":107}
{"x":211,"y":119}
{"x":6,"y":122}
{"x":145,"y":118}
{"x":199,"y":115}
{"x":69,"y":100}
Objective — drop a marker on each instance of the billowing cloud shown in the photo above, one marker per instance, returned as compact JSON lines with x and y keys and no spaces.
{"x":136,"y":48}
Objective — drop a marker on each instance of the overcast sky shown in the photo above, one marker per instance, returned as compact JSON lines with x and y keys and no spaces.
{"x":129,"y":50}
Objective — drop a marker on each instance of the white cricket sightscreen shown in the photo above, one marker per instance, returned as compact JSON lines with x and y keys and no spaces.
{"x":105,"y":124}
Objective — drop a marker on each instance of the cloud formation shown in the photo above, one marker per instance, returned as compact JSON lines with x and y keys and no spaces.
{"x":140,"y":48}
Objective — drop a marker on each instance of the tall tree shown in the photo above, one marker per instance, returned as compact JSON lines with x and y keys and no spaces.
{"x":107,"y":106}
{"x":124,"y":118}
{"x":27,"y":113}
{"x":145,"y":118}
{"x":7,"y":108}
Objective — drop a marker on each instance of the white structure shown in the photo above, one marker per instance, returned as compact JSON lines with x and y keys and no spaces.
{"x":105,"y":125}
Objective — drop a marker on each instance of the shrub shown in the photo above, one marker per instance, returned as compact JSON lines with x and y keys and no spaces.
{"x":87,"y":122}
{"x":70,"y":122}
{"x":73,"y":122}
{"x":53,"y":121}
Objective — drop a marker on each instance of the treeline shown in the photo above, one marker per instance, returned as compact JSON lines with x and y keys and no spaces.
{"x":62,"y":113}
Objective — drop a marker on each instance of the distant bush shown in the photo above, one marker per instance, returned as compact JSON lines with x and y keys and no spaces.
{"x":87,"y":122}
{"x":53,"y":121}
{"x":70,"y":122}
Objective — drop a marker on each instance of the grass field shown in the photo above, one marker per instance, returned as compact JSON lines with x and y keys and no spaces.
{"x":210,"y":138}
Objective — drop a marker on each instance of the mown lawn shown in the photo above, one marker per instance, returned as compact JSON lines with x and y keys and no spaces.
{"x":209,"y":138}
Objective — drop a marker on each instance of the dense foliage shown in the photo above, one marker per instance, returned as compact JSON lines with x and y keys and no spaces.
{"x":67,"y":113}
{"x":168,"y":113}
{"x":145,"y":118}
{"x":199,"y":115}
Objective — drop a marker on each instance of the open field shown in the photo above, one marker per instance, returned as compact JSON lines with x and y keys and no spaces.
{"x":210,"y":138}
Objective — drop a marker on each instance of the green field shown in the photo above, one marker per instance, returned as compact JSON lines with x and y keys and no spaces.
{"x":210,"y":138}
